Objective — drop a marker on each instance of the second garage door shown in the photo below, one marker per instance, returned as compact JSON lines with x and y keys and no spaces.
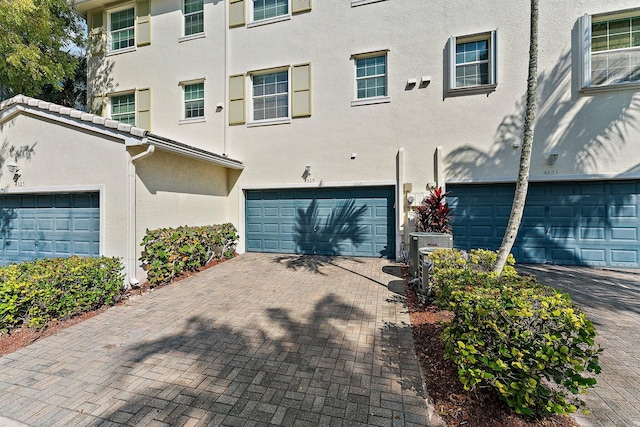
{"x":324,"y":221}
{"x":588,"y":223}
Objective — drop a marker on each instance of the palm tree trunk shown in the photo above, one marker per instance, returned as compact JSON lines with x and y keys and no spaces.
{"x":522,"y":184}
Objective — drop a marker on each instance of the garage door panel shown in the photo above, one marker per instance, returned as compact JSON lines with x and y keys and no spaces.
{"x":50,"y":225}
{"x":591,"y":223}
{"x":317,"y":221}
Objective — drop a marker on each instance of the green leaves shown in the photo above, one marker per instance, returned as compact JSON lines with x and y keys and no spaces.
{"x":33,"y":293}
{"x":35,"y":38}
{"x":510,"y":332}
{"x":168,"y":252}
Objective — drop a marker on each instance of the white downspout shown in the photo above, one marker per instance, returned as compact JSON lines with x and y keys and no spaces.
{"x":225,"y":114}
{"x":131,"y":256}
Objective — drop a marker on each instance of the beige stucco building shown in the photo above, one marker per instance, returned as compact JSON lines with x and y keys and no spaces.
{"x":345,"y":113}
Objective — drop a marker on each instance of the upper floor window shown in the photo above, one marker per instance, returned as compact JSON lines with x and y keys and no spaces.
{"x":371,"y":77}
{"x":472,"y":63}
{"x":265,"y":9}
{"x":270,"y":94}
{"x":194,"y":100}
{"x":371,"y":74}
{"x":193,"y":17}
{"x":123,"y":108}
{"x":122,"y":29}
{"x":611,"y":49}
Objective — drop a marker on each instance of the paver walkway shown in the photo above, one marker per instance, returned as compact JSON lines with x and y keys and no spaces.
{"x":612,"y":301}
{"x":257,"y":340}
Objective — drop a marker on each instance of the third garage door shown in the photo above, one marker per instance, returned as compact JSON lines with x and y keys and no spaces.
{"x":580,"y":223}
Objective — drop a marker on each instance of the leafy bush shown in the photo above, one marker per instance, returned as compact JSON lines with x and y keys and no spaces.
{"x":169,"y":252}
{"x":33,"y":293}
{"x":524,"y":339}
{"x":434,"y":215}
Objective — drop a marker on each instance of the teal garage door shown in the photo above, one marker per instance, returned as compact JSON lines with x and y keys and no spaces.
{"x":576,"y":223}
{"x":323,"y":221}
{"x":48,"y":225}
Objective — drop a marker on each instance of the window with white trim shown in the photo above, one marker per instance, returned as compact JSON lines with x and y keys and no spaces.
{"x":123,"y":108}
{"x":193,"y":17}
{"x":472,"y":63}
{"x":611,"y":50}
{"x":270,"y":95}
{"x":122,"y":34}
{"x":193,"y":100}
{"x":371,"y":76}
{"x":267,"y":9}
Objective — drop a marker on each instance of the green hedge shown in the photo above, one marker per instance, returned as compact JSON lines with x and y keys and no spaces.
{"x":34,"y":293}
{"x":529,"y":342}
{"x":168,"y":252}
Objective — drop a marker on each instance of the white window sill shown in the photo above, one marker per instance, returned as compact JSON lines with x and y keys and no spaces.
{"x":192,"y":120}
{"x":269,"y":20}
{"x":355,"y":3}
{"x":370,"y":101}
{"x":119,"y":51}
{"x":192,"y":37}
{"x":269,"y":122}
{"x":472,"y":90}
{"x":590,"y":90}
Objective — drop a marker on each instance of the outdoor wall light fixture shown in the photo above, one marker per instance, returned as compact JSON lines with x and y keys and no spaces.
{"x":551,"y":158}
{"x":15,"y":171}
{"x":307,"y":171}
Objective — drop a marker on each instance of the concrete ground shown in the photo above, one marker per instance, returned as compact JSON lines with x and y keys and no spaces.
{"x":611,"y":299}
{"x":258,"y":340}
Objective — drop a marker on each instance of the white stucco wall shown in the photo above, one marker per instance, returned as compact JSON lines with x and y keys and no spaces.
{"x":56,"y":158}
{"x":595,"y":136}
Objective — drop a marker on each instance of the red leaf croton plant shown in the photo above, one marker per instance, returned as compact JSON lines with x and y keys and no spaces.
{"x":434,"y":215}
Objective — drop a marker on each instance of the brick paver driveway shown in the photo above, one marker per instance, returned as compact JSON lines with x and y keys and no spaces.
{"x":257,"y":340}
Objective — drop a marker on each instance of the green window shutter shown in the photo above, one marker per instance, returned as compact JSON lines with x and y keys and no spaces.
{"x":143,"y":109}
{"x":143,"y":23}
{"x":298,"y":6}
{"x":236,"y":100}
{"x":236,"y":13}
{"x":301,"y":88}
{"x":97,"y":105}
{"x":97,"y":37}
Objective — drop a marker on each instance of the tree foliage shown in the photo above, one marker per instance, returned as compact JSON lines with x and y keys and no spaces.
{"x":36,"y":37}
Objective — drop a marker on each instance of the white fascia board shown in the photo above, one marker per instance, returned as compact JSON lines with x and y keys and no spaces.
{"x":190,"y":152}
{"x":550,"y":178}
{"x":319,"y":185}
{"x":68,"y":121}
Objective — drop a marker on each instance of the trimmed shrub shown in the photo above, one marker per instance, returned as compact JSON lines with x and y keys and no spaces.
{"x":527,"y":341}
{"x":168,"y":252}
{"x":34,"y":293}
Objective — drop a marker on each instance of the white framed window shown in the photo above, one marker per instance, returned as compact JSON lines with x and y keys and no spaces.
{"x":473,"y":63}
{"x":270,"y":97}
{"x":371,"y":78}
{"x":193,"y":100}
{"x":610,"y":47}
{"x":193,"y":11}
{"x":121,"y":23}
{"x":123,"y":108}
{"x":268,"y":11}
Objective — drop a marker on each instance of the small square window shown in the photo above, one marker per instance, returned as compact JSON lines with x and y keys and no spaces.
{"x":122,"y":29}
{"x":193,"y":17}
{"x":270,"y":93}
{"x":194,"y":100}
{"x":472,"y":63}
{"x":123,"y":108}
